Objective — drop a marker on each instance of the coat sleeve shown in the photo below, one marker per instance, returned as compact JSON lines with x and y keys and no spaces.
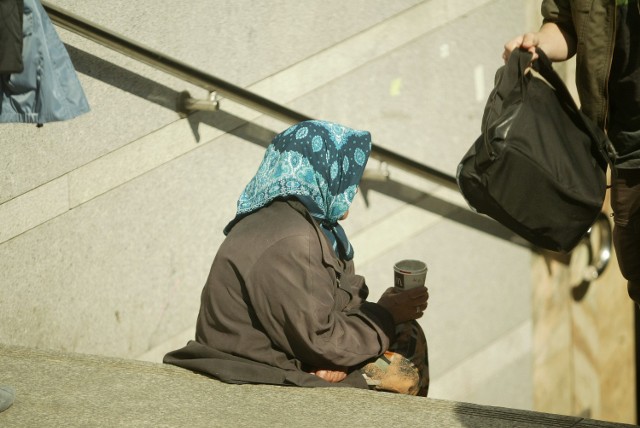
{"x":560,"y":13}
{"x":301,"y":308}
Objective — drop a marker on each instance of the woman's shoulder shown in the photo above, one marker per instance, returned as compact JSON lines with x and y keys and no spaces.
{"x":272,"y":231}
{"x":276,"y":221}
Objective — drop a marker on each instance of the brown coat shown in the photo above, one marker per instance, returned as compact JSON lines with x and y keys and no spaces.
{"x":278,"y":303}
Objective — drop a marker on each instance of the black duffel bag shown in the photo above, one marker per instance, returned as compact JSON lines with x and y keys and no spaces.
{"x":539,"y":167}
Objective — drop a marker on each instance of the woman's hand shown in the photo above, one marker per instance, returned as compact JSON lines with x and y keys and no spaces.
{"x":405,"y":305}
{"x":333,"y":376}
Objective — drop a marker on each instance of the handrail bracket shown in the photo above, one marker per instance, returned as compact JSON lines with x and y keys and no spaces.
{"x":186,"y":104}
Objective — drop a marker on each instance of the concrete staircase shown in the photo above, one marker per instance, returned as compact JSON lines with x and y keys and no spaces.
{"x":57,"y":389}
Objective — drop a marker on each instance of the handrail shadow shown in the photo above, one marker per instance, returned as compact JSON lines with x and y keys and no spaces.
{"x":157,"y":93}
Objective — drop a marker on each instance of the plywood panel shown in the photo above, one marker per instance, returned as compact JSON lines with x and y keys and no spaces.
{"x":584,"y":349}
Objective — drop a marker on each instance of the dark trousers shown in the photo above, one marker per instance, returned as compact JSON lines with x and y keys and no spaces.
{"x":625,"y":202}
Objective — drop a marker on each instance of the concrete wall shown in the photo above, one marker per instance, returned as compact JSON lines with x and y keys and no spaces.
{"x":109,"y":222}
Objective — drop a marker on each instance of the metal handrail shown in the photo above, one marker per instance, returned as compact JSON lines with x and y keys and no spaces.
{"x":126,"y":46}
{"x":213,"y":84}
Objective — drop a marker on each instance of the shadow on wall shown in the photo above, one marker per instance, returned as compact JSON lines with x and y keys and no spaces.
{"x":157,"y":93}
{"x":154,"y":92}
{"x":440,"y":207}
{"x":121,"y":78}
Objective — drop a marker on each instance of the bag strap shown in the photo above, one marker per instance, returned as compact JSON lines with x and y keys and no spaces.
{"x":543,"y":66}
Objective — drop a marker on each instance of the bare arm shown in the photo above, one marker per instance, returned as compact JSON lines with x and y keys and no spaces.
{"x":559,"y":45}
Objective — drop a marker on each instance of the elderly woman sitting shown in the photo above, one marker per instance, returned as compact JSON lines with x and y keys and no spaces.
{"x":282,"y":304}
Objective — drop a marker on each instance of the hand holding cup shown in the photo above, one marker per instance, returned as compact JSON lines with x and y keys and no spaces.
{"x":407,"y":300}
{"x":405,"y":305}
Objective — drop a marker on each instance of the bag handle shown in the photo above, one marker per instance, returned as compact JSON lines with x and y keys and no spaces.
{"x":517,"y":65}
{"x":510,"y":81}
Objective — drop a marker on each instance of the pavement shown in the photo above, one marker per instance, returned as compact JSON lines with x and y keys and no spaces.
{"x":60,"y":389}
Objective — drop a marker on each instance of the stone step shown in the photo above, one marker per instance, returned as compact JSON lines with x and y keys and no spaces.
{"x":60,"y":389}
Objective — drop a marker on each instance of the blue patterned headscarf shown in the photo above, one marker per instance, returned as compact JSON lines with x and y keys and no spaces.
{"x":320,"y":164}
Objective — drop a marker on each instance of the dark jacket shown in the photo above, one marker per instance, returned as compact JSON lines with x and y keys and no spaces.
{"x":48,"y":88}
{"x":592,"y":24}
{"x":278,"y":303}
{"x":11,"y":36}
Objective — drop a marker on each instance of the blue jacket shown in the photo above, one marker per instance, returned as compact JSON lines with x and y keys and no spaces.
{"x":48,"y":88}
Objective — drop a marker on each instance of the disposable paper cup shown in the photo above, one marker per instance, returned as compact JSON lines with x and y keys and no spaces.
{"x":409,"y":274}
